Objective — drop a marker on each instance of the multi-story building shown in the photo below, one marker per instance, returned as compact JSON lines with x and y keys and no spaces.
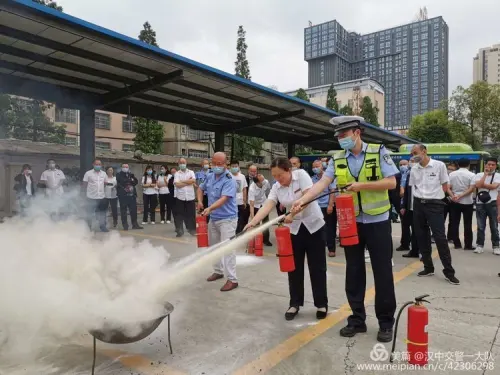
{"x":410,"y":61}
{"x":350,"y":93}
{"x":486,"y":65}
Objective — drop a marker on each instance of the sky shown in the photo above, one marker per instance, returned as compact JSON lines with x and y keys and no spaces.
{"x":206,"y":30}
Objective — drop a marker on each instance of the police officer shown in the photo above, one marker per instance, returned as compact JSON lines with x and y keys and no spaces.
{"x":220,"y":187}
{"x":327,"y":205}
{"x":369,"y":171}
{"x":201,"y":176}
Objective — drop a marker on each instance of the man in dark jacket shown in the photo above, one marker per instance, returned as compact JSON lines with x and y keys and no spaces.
{"x":24,"y":188}
{"x":127,"y":196}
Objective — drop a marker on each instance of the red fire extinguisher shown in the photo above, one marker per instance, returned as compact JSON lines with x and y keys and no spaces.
{"x":348,"y":229}
{"x":202,"y":231}
{"x":259,"y":245}
{"x":417,"y":341}
{"x":285,"y":249}
{"x":251,"y":246}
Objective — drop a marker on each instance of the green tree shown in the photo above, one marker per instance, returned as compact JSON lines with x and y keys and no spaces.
{"x":331,"y":99}
{"x":243,"y":148}
{"x":369,"y":112}
{"x":431,"y":127}
{"x":148,"y":133}
{"x":346,"y":111}
{"x":302,"y":94}
{"x":50,"y":4}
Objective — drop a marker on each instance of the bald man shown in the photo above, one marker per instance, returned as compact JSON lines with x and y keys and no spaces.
{"x":220,"y":186}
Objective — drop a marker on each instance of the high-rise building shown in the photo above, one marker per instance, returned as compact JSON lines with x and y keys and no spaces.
{"x":410,"y":61}
{"x":486,"y":65}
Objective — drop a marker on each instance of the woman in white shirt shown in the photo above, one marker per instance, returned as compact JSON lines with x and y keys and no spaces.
{"x":306,"y":229}
{"x":110,"y":194}
{"x":163,"y":191}
{"x":149,"y":195}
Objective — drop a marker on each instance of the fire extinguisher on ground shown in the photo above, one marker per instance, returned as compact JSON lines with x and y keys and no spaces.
{"x":259,"y":245}
{"x":285,"y":249}
{"x":251,"y":246}
{"x":346,"y":214}
{"x":417,"y":340}
{"x":202,"y":231}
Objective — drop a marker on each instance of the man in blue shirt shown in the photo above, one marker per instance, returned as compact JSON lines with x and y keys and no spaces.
{"x":201,"y":176}
{"x":372,"y":164}
{"x":327,"y":205}
{"x":220,"y":188}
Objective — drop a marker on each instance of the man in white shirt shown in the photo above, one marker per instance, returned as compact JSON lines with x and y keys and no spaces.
{"x":53,"y":179}
{"x":185,"y":206}
{"x":93,"y":184}
{"x":241,"y":195}
{"x":487,"y":183}
{"x":462,"y":184}
{"x":429,"y":181}
{"x":257,"y":195}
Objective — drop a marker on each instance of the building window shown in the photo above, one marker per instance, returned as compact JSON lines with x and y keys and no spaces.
{"x":65,"y":115}
{"x":258,"y":159}
{"x":102,"y":121}
{"x":127,"y":147}
{"x":128,"y":125}
{"x":103,"y":146}
{"x":70,"y":141}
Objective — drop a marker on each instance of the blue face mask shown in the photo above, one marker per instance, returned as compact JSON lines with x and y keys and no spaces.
{"x":347,"y":143}
{"x":317,"y":170}
{"x":324,"y":164}
{"x":218,"y":170}
{"x":206,"y":166}
{"x":182,"y":166}
{"x":97,"y":168}
{"x":235,"y":170}
{"x":403,"y":168}
{"x":150,"y":172}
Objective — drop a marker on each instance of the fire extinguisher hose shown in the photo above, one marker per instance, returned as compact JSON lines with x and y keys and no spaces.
{"x":396,"y":328}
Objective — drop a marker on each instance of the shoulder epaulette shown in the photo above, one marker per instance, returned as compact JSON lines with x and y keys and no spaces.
{"x":228,"y":175}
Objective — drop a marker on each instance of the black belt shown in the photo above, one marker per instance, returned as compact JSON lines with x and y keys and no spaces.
{"x":429,"y":201}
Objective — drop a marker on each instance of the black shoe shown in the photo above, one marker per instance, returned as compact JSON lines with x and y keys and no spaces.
{"x":179,"y":235}
{"x":410,"y":255}
{"x":104,"y":229}
{"x":458,"y":247}
{"x":401,"y":248}
{"x":137,"y":227}
{"x":350,"y":331}
{"x":425,"y":273}
{"x":291,"y":315}
{"x":452,"y":280}
{"x":384,"y":335}
{"x":321,"y":314}
{"x":192,"y":233}
{"x":268,"y":243}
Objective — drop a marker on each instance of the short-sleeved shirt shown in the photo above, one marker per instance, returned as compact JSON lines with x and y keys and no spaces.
{"x":323,"y":201}
{"x":53,"y":181}
{"x":95,"y":184}
{"x":163,"y":184}
{"x":494,"y":192}
{"x":460,"y":181}
{"x":148,"y":190}
{"x":257,"y":194}
{"x":241,"y":183}
{"x":201,"y":176}
{"x":110,"y":190}
{"x":311,"y":216}
{"x":217,"y":187}
{"x":185,"y":193}
{"x":427,"y":182}
{"x":387,"y":167}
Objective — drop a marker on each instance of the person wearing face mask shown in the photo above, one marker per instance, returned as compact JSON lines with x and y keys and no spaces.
{"x":149,"y":195}
{"x":163,"y":192}
{"x":368,"y":172}
{"x":429,"y":181}
{"x":110,"y":193}
{"x":324,"y":163}
{"x":257,"y":194}
{"x":295,"y":163}
{"x":24,"y":188}
{"x":185,"y":203}
{"x":220,"y":186}
{"x":201,"y":176}
{"x":241,"y":195}
{"x":93,"y":184}
{"x":171,"y":194}
{"x":327,"y":205}
{"x":127,"y":196}
{"x":52,"y":180}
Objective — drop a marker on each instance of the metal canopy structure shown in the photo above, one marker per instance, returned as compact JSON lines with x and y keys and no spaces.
{"x":48,"y":55}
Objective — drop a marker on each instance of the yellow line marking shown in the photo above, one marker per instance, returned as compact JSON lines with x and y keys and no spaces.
{"x":271,"y":358}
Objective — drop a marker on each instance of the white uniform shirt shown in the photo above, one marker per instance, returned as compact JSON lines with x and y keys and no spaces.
{"x":53,"y":180}
{"x":148,"y":190}
{"x":185,"y":193}
{"x":460,"y":181}
{"x":311,"y":216}
{"x":427,"y":182}
{"x":494,"y":192}
{"x":95,"y":184}
{"x":162,"y":184}
{"x":257,"y":194}
{"x":241,"y":183}
{"x":29,"y":182}
{"x":110,"y":191}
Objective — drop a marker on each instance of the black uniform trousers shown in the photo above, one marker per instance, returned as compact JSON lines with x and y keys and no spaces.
{"x":114,"y":209}
{"x":330,"y":228}
{"x":243,"y":215}
{"x":170,"y":206}
{"x":265,"y":220}
{"x":406,"y":229}
{"x":278,"y":210}
{"x":376,"y":237}
{"x":408,"y":220}
{"x":205,"y":204}
{"x":430,"y":213}
{"x":128,"y":202}
{"x":150,"y":202}
{"x":185,"y":213}
{"x":456,"y":212}
{"x":314,"y":246}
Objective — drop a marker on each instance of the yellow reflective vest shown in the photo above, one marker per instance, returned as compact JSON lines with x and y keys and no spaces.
{"x":371,"y":202}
